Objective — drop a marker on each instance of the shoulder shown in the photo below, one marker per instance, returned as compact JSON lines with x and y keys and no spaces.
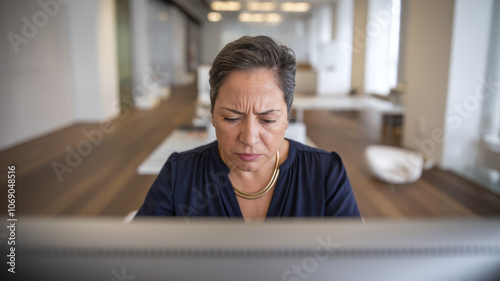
{"x":200,"y":150}
{"x":196,"y":153}
{"x":308,"y":153}
{"x":189,"y":159}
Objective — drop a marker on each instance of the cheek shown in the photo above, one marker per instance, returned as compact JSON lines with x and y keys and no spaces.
{"x":274,"y":133}
{"x":281,"y":126}
{"x":225,"y":132}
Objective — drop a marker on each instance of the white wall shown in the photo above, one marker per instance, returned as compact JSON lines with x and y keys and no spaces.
{"x":316,"y":38}
{"x":62,"y":66}
{"x":181,"y":76}
{"x":35,"y":83}
{"x":94,"y":59}
{"x":293,"y":32}
{"x":210,"y":41}
{"x":430,"y":25}
{"x":159,"y":47}
{"x":65,"y":70}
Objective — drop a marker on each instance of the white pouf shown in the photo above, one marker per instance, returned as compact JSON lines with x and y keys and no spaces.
{"x":393,"y":164}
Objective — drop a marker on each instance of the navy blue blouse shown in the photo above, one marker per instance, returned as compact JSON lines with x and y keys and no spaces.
{"x":312,"y":183}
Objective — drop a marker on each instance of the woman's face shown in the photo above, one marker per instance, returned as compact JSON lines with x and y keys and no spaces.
{"x":250,"y":119}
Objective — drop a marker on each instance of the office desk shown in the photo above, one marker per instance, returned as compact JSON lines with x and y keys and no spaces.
{"x":310,"y":102}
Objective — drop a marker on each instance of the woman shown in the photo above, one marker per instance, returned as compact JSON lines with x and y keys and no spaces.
{"x":252,"y":171}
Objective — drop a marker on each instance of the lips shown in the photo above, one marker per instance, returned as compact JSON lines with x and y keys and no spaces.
{"x":248,"y":156}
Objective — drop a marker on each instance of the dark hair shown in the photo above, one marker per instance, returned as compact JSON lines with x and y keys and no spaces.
{"x":249,"y":53}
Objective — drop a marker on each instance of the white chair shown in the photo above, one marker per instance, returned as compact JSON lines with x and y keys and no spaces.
{"x":394,"y":165}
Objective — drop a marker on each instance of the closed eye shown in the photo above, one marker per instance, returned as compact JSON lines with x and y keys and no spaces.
{"x":232,"y":120}
{"x":268,"y":121}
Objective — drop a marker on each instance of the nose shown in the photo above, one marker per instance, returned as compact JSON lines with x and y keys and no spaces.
{"x":249,"y":133}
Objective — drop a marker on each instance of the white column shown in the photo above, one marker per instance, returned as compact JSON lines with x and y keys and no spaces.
{"x":344,"y":33}
{"x":357,"y":46}
{"x":334,"y":62}
{"x":430,"y":27}
{"x":378,"y":46}
{"x":91,"y":25}
{"x":144,"y":85}
{"x":324,"y":55}
{"x":108,"y":58}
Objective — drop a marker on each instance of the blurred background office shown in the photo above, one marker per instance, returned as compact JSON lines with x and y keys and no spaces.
{"x":94,"y":94}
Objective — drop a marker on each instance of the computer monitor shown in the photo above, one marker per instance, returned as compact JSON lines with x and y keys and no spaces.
{"x":223,"y":249}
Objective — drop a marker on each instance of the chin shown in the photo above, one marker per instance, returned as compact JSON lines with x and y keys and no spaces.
{"x":247,"y":167}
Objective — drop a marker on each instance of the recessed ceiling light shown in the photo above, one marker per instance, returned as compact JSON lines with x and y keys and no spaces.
{"x":260,"y":17}
{"x":225,"y":6}
{"x":251,"y":17}
{"x":261,"y":6}
{"x":295,"y":7}
{"x":214,"y":16}
{"x":273,"y":17}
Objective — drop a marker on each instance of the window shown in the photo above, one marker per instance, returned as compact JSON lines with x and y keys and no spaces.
{"x":382,"y":46}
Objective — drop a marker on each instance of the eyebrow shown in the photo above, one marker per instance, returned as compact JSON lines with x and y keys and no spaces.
{"x":259,"y":113}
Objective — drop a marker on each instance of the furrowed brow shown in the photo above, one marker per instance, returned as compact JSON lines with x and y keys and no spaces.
{"x":259,"y":113}
{"x":233,"y":111}
{"x":268,"y":112}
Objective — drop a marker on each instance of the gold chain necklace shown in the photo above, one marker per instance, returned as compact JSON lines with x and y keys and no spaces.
{"x":266,"y":189}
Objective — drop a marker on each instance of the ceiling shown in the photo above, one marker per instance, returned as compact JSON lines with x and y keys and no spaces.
{"x":199,"y":8}
{"x":312,"y":2}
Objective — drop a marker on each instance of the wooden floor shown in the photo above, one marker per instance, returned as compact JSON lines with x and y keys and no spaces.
{"x":98,"y":173}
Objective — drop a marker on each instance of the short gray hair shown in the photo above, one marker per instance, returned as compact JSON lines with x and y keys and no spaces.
{"x":249,"y":53}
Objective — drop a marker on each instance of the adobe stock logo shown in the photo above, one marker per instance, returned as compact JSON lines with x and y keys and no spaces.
{"x":309,"y":265}
{"x":39,"y":19}
{"x":121,"y":276}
